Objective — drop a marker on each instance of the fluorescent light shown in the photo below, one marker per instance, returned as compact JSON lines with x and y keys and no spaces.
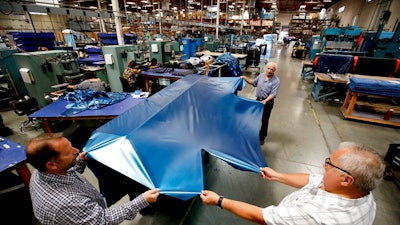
{"x":38,"y":13}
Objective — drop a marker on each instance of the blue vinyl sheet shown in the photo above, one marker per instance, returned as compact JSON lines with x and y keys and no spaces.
{"x":159,"y":142}
{"x":389,"y":88}
{"x":331,"y":63}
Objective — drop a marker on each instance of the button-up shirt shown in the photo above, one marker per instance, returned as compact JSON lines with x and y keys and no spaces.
{"x":71,"y":199}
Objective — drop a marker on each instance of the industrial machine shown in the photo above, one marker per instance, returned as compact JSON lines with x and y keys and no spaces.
{"x":10,"y":71}
{"x":117,"y":57}
{"x":165,"y":51}
{"x":44,"y":72}
{"x":388,"y":47}
{"x":172,"y":52}
{"x":335,"y":40}
{"x":315,"y":46}
{"x":341,"y":39}
{"x":190,"y":46}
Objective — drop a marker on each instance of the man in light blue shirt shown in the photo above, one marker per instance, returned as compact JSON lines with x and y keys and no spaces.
{"x":267,"y":88}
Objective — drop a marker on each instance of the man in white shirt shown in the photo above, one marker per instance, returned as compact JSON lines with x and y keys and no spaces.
{"x":342,"y":195}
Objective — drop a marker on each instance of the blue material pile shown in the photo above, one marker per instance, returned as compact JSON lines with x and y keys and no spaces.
{"x":234,"y":69}
{"x":330,"y":63}
{"x":86,"y":99}
{"x":390,"y":88}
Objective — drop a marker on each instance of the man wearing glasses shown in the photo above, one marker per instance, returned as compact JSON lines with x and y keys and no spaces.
{"x":342,"y":195}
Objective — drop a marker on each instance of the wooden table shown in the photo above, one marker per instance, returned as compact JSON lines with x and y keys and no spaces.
{"x":349,"y":112}
{"x":326,"y":80}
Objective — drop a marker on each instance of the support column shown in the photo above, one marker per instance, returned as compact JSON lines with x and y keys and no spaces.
{"x":118,"y":27}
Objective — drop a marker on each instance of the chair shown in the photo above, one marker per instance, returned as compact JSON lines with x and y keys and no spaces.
{"x":26,"y":106}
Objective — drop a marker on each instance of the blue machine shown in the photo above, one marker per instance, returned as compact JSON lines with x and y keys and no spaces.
{"x":339,"y":39}
{"x":388,"y":46}
{"x":190,"y":46}
{"x":315,"y":46}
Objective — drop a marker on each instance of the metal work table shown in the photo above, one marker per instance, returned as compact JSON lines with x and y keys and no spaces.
{"x":54,"y":111}
{"x":307,"y":69}
{"x":326,"y":80}
{"x":147,"y":75}
{"x":216,"y":54}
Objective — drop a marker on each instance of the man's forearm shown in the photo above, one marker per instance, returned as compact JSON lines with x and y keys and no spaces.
{"x":297,"y":180}
{"x":244,"y":210}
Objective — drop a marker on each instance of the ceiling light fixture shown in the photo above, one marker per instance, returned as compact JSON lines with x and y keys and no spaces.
{"x":311,"y":2}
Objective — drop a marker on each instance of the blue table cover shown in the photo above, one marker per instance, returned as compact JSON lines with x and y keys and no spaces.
{"x":389,"y":88}
{"x":159,"y":142}
{"x":11,"y":153}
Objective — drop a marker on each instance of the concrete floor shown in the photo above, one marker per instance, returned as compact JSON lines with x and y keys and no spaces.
{"x":302,"y":134}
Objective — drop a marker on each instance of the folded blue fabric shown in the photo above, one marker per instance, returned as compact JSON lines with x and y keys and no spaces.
{"x":390,"y":88}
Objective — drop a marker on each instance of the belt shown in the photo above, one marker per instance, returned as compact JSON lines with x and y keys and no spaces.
{"x":260,"y":99}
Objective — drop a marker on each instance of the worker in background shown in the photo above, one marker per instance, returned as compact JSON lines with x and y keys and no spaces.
{"x":154,"y":63}
{"x":134,"y":76}
{"x":91,"y":82}
{"x":62,"y":195}
{"x":267,"y":87}
{"x":154,"y":83}
{"x":342,"y":195}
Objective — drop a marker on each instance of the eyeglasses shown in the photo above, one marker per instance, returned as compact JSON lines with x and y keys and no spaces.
{"x":328,"y":162}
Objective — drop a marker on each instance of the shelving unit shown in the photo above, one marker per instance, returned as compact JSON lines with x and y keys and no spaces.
{"x":309,"y":27}
{"x":300,"y":27}
{"x":31,"y":41}
{"x":111,"y":38}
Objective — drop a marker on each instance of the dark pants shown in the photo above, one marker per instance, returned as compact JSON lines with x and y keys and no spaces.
{"x":265,"y":118}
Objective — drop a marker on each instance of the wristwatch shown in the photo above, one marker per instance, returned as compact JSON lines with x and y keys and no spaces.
{"x":219,"y":204}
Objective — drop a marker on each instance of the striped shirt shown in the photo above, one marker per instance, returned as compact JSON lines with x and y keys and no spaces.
{"x":71,"y":199}
{"x":311,"y":205}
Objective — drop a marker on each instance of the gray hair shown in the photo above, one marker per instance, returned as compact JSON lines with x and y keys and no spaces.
{"x":365,"y":165}
{"x":272,"y":63}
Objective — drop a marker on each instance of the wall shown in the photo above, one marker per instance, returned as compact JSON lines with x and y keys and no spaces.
{"x":369,"y":13}
{"x":284,"y":18}
{"x":352,"y":12}
{"x":394,"y":17}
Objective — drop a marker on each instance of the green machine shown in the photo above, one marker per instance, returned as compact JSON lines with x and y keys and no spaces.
{"x":11,"y":72}
{"x":47,"y":71}
{"x":116,"y":59}
{"x":212,"y":45}
{"x":164,"y":51}
{"x":172,"y":51}
{"x":157,"y":50}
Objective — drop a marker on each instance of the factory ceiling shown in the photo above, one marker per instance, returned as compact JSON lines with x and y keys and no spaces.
{"x":235,"y":6}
